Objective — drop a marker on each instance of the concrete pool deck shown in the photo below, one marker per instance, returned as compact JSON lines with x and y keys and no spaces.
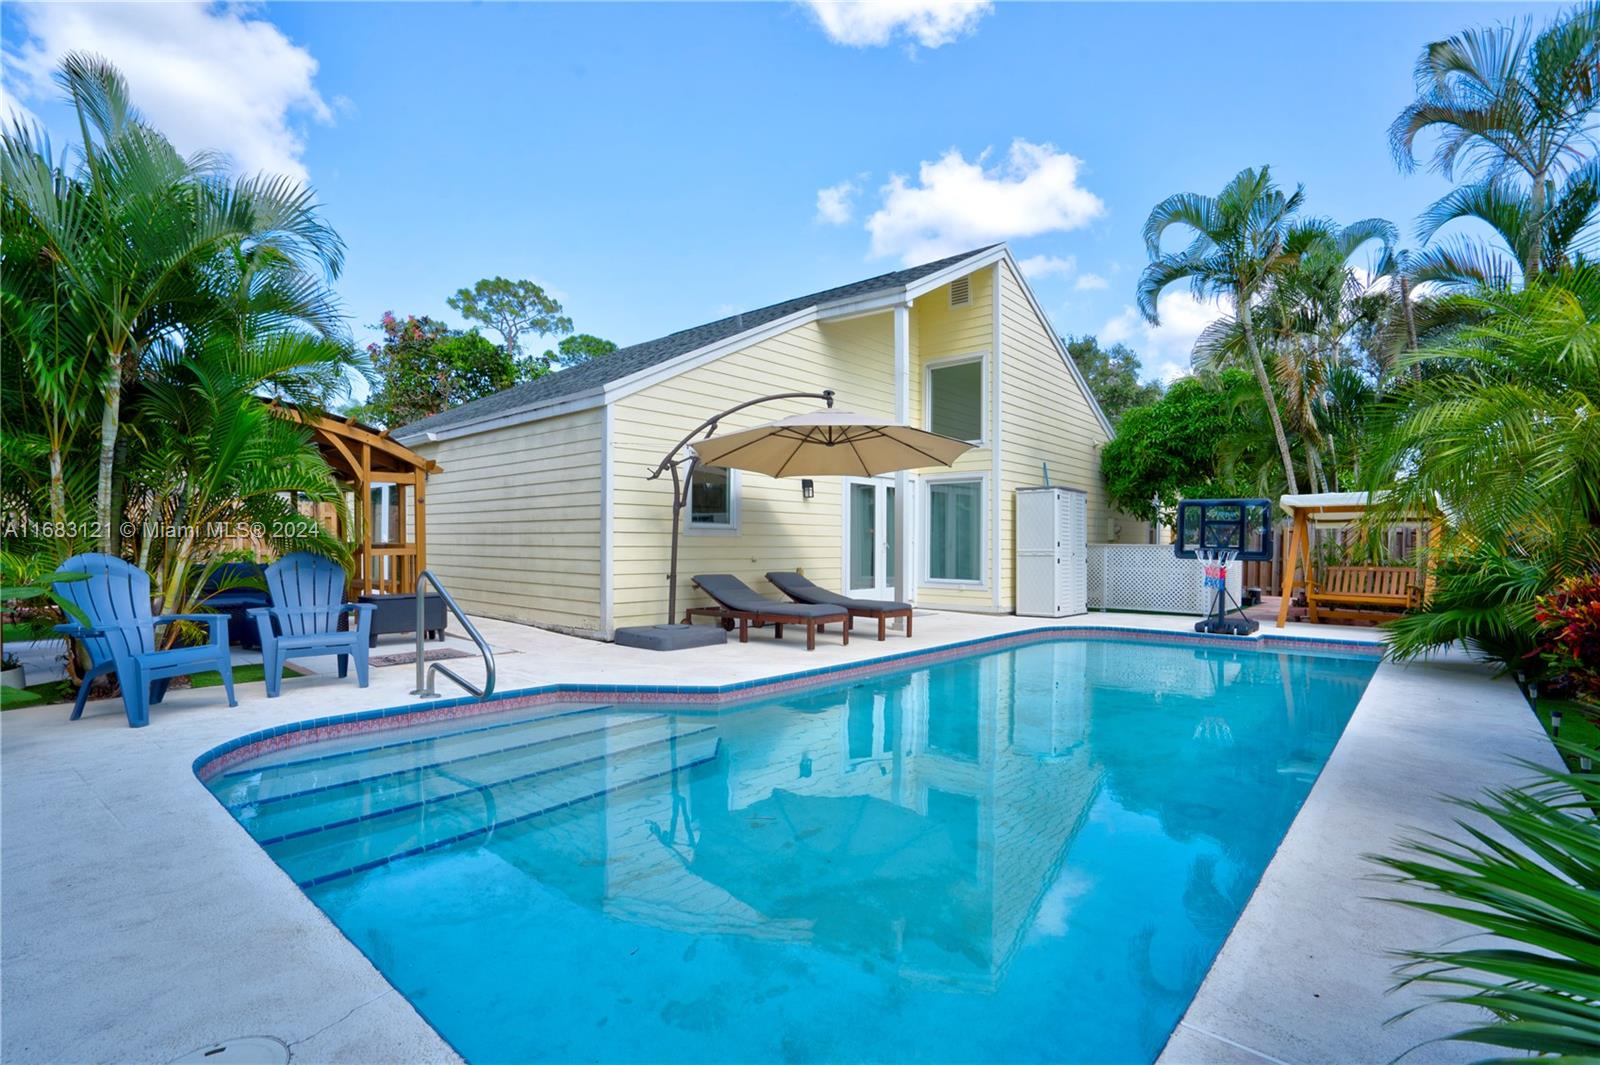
{"x":140,"y":922}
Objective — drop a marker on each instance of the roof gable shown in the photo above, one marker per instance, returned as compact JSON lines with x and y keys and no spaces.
{"x":592,"y":376}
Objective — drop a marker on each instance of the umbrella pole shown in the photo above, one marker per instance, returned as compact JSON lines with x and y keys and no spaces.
{"x":680,"y":499}
{"x":681,"y":480}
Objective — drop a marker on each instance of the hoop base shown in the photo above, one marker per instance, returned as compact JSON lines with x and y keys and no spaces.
{"x":1228,"y":626}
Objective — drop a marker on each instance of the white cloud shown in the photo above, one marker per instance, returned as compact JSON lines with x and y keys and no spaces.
{"x":835,"y":204}
{"x":1091,"y":283}
{"x":1038,"y":266}
{"x":12,"y":110}
{"x":873,"y":23}
{"x":209,"y":77}
{"x":1164,"y":349}
{"x":957,"y":204}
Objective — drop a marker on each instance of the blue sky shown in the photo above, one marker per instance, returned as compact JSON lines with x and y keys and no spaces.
{"x":659,"y":165}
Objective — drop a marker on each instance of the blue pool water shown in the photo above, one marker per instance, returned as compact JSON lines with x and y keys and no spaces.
{"x":1025,"y":855}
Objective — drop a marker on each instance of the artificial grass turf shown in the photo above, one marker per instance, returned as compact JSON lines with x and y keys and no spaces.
{"x":61,"y":691}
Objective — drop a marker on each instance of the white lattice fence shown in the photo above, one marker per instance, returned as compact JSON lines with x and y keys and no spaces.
{"x":1148,"y":577}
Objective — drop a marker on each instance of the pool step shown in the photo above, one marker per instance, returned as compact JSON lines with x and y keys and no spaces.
{"x":240,"y":788}
{"x":454,"y":807}
{"x":400,"y":777}
{"x":329,"y":806}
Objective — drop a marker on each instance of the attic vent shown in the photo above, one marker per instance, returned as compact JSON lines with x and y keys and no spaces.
{"x":961,"y":292}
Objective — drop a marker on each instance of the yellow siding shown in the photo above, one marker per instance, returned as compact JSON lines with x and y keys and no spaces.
{"x":777,"y":527}
{"x":514,"y":521}
{"x":940,"y":331}
{"x":1047,"y":418}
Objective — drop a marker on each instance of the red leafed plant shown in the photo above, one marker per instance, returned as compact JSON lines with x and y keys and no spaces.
{"x":1569,"y":637}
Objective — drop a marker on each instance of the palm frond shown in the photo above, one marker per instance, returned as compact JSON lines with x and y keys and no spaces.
{"x":1523,"y":866}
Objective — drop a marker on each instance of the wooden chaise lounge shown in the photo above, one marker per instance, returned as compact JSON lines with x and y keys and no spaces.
{"x":1363,"y":592}
{"x":738,"y":602}
{"x":801,"y":590}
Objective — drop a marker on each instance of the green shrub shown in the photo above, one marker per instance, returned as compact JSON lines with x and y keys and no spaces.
{"x":1525,"y":869}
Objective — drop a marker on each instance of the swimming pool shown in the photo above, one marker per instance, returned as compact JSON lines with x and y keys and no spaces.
{"x":1020,"y":854}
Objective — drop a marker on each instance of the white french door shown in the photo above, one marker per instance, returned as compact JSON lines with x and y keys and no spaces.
{"x":869,"y":537}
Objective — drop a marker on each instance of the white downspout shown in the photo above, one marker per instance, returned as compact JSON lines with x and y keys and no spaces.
{"x":905,"y":582}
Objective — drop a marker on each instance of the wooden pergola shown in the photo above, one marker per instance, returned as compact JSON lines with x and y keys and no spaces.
{"x":365,"y":458}
{"x":1334,"y":508}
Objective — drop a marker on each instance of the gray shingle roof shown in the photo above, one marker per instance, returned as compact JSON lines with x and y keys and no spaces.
{"x":625,"y":362}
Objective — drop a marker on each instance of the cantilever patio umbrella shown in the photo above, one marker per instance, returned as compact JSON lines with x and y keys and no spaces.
{"x":824,"y":443}
{"x":829,"y":443}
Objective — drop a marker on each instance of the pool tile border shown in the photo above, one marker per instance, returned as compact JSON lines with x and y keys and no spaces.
{"x":212,"y":763}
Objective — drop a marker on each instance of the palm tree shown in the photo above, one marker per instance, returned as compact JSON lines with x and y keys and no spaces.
{"x":1297,"y":274}
{"x":1551,"y":236}
{"x":1240,"y":240}
{"x":215,"y":458}
{"x":133,"y":232}
{"x":1497,"y":425}
{"x":1507,"y":101}
{"x":1503,"y":430}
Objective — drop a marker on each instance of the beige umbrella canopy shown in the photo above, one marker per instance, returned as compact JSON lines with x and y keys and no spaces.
{"x":829,"y":443}
{"x":824,"y":443}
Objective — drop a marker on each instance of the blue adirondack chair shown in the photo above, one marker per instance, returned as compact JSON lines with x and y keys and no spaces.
{"x":303,"y":621}
{"x":121,"y":636}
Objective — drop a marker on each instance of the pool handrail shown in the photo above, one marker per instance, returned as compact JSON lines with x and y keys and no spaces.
{"x":426,"y":670}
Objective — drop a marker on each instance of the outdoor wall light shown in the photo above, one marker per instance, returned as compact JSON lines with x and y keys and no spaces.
{"x":808,"y":488}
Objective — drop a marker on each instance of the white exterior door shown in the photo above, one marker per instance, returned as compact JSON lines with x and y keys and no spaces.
{"x":869,"y":538}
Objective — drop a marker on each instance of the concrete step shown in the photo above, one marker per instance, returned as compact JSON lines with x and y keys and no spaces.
{"x":354,"y":789}
{"x":446,"y":807}
{"x":405,"y":749}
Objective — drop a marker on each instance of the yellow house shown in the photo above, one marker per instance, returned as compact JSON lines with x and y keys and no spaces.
{"x":543,"y":513}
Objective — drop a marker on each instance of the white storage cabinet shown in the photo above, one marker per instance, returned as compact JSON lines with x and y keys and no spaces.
{"x":1052,"y":552}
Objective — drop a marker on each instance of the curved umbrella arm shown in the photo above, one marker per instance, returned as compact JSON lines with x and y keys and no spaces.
{"x":680,"y":478}
{"x":709,"y":426}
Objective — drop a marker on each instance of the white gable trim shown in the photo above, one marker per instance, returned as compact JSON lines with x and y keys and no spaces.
{"x":626,"y":386}
{"x":564,"y":405}
{"x":966,"y":266}
{"x":886,"y":301}
{"x":1055,"y":340}
{"x":690,"y":360}
{"x":622,"y":386}
{"x":662,"y":371}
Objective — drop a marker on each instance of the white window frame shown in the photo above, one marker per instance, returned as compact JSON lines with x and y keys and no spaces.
{"x":731,"y":527}
{"x":979,"y":357}
{"x":926,"y":515}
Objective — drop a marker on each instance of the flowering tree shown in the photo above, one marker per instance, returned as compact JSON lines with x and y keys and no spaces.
{"x":424,"y":367}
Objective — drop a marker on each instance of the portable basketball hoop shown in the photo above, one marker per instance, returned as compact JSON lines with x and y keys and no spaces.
{"x":1220,"y":532}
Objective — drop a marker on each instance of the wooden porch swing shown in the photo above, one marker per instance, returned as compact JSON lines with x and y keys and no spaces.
{"x":1350,"y":593}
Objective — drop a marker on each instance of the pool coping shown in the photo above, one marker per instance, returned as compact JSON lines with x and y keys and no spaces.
{"x":112,"y":864}
{"x":222,"y":757}
{"x":1306,"y":975}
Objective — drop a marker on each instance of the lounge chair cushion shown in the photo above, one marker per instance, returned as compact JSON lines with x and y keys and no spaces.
{"x":734,"y":594}
{"x":797,"y":587}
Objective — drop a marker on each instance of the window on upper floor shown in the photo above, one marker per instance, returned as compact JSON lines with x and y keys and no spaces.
{"x":953,"y":394}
